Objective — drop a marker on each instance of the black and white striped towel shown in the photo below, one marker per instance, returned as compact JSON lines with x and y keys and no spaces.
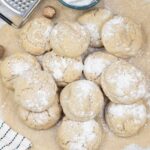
{"x":11,"y":140}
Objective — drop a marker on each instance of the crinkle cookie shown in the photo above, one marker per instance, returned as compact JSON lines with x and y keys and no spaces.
{"x":93,"y":21}
{"x":35,"y":36}
{"x":35,"y":91}
{"x":15,"y":65}
{"x":95,"y":64}
{"x":74,"y":135}
{"x":123,"y":83}
{"x":63,"y":69}
{"x":69,"y":39}
{"x":122,"y":37}
{"x":125,"y":120}
{"x":82,"y":100}
{"x":41,"y":120}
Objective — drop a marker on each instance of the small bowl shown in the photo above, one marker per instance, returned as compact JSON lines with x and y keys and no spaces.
{"x":92,"y":4}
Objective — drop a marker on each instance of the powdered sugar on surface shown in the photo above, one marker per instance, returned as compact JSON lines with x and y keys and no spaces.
{"x":47,"y":32}
{"x":85,"y":135}
{"x":57,"y":65}
{"x":21,"y":62}
{"x":110,"y":27}
{"x":95,"y":65}
{"x":84,"y":88}
{"x":135,"y":147}
{"x":75,"y":30}
{"x":124,"y":80}
{"x":79,"y":2}
{"x":39,"y":118}
{"x":134,"y":110}
{"x":93,"y":30}
{"x":20,"y":67}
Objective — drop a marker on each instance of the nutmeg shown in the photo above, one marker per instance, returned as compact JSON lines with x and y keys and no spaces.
{"x":2,"y":51}
{"x":49,"y":12}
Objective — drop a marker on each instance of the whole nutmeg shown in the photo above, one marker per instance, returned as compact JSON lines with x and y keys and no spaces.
{"x":2,"y":51}
{"x":49,"y":12}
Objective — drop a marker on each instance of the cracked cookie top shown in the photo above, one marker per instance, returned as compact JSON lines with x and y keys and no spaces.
{"x":69,"y":39}
{"x":122,"y":37}
{"x":123,"y":83}
{"x":16,"y":65}
{"x":35,"y":91}
{"x":79,"y":135}
{"x":95,"y":64}
{"x":35,"y":36}
{"x":63,"y":69}
{"x":93,"y":21}
{"x":125,"y":120}
{"x":41,"y":120}
{"x":82,"y":100}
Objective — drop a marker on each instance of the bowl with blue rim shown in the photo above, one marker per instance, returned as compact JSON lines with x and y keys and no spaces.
{"x":83,"y":6}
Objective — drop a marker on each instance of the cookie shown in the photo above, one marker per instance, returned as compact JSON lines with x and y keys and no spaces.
{"x":123,"y":83}
{"x":35,"y":91}
{"x":63,"y":69}
{"x":122,"y":37}
{"x":42,"y":120}
{"x":96,"y":63}
{"x":16,"y":65}
{"x":125,"y":120}
{"x":93,"y":21}
{"x":69,"y":39}
{"x":79,"y":135}
{"x":82,"y":100}
{"x":35,"y":36}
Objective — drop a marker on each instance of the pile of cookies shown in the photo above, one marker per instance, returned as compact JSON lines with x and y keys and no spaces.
{"x":65,"y":78}
{"x":35,"y":90}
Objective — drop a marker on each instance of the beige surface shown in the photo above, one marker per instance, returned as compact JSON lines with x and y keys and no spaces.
{"x":138,"y":10}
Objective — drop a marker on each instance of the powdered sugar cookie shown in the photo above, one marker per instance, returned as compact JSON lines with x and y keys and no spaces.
{"x":15,"y":65}
{"x":123,"y":83}
{"x":35,"y":36}
{"x":35,"y":91}
{"x":63,"y":69}
{"x":81,"y":100}
{"x":122,"y":37}
{"x":69,"y":39}
{"x":93,"y":21}
{"x":95,"y":64}
{"x":126,"y":120}
{"x":41,"y":120}
{"x":74,"y":135}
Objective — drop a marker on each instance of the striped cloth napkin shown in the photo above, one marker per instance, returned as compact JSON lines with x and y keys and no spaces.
{"x":11,"y":140}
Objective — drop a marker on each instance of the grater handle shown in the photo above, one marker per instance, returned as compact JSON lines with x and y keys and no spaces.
{"x":5,"y":19}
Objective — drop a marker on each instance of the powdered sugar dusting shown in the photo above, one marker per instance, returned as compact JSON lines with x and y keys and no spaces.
{"x":20,"y":67}
{"x":86,"y":135}
{"x":94,"y":32}
{"x":39,"y":118}
{"x":35,"y":90}
{"x":135,"y":147}
{"x":96,"y":65}
{"x":135,"y":110}
{"x":47,"y":32}
{"x":109,"y":26}
{"x":75,"y":30}
{"x":84,"y":88}
{"x":79,"y":2}
{"x":57,"y":65}
{"x":124,"y":78}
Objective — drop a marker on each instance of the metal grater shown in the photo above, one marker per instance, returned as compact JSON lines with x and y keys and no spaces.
{"x":16,"y":12}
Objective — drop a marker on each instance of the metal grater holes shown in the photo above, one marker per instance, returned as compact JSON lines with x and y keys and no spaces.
{"x":21,"y":5}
